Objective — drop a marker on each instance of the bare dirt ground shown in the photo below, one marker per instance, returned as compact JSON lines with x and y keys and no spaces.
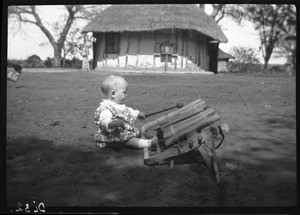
{"x":51,"y":156}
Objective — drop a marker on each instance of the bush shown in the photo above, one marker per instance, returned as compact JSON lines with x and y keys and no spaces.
{"x":17,"y":62}
{"x":245,"y":60}
{"x":234,"y":67}
{"x":34,"y":61}
{"x":48,"y":62}
{"x":238,"y":67}
{"x":276,"y":69}
{"x":73,"y":63}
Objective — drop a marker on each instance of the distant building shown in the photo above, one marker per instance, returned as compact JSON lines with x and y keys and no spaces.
{"x":155,"y":36}
{"x":223,"y":59}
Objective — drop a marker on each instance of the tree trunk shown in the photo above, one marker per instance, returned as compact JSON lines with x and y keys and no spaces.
{"x":202,"y":6}
{"x":269,"y":50}
{"x":293,"y":63}
{"x":216,"y":9}
{"x":57,"y":58}
{"x":265,"y":65}
{"x":267,"y":58}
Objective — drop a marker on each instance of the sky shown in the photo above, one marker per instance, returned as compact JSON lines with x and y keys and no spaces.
{"x":24,"y":43}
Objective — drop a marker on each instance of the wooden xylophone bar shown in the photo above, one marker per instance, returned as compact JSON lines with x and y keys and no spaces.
{"x":194,"y":116}
{"x":182,"y":114}
{"x":192,"y":126}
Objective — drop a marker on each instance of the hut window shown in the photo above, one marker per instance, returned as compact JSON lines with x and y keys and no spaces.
{"x":112,"y":43}
{"x":157,"y":48}
{"x":167,"y":48}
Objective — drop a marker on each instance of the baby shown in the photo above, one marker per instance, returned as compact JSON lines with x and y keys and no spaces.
{"x":116,"y":121}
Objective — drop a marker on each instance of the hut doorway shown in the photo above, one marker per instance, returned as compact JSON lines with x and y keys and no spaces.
{"x":213,"y":50}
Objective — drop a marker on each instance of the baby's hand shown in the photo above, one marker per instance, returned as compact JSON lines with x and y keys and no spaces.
{"x":118,"y":123}
{"x":141,"y":115}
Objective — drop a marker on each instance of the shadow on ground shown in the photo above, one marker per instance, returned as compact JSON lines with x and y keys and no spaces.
{"x":77,"y":175}
{"x":268,"y":154}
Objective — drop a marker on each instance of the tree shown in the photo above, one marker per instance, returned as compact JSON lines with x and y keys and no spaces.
{"x":244,"y":59}
{"x":34,"y":61}
{"x":244,"y":54}
{"x":275,"y":24}
{"x":288,"y":42}
{"x":217,"y":9}
{"x":234,"y":11}
{"x":73,"y":44}
{"x":289,"y":47}
{"x":30,"y":14}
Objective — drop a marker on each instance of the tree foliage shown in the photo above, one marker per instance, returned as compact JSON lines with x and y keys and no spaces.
{"x":276,"y":24}
{"x":244,"y":54}
{"x":233,"y":11}
{"x":244,"y":59}
{"x":56,"y":34}
{"x":33,"y":61}
{"x":288,"y":41}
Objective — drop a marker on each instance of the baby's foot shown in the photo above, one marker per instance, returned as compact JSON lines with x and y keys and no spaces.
{"x":101,"y":145}
{"x":162,"y":145}
{"x":153,"y":144}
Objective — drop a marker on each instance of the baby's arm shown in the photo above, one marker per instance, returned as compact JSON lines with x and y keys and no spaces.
{"x":105,"y":118}
{"x":136,"y":113}
{"x":107,"y":122}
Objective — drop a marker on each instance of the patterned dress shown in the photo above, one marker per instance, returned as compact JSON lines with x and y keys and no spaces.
{"x":103,"y":136}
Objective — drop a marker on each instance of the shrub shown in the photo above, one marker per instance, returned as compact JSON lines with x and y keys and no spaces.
{"x":237,"y":67}
{"x":234,"y":67}
{"x":34,"y":61}
{"x":245,"y":60}
{"x":74,"y":63}
{"x":48,"y":62}
{"x":275,"y":69}
{"x":11,"y":62}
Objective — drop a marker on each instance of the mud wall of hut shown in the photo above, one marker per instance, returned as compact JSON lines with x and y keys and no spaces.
{"x":143,"y":50}
{"x":222,"y":66}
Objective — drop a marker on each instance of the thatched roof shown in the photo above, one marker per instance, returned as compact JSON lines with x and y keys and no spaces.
{"x":151,"y":17}
{"x":224,"y":56}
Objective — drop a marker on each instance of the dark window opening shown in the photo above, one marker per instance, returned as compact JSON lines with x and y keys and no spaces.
{"x":112,"y":43}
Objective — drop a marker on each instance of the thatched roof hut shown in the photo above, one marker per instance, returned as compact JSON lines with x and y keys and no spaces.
{"x":224,"y":56}
{"x":151,"y":17}
{"x":190,"y":31}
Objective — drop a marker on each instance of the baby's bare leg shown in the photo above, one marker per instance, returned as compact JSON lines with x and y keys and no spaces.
{"x":133,"y":143}
{"x":137,"y":143}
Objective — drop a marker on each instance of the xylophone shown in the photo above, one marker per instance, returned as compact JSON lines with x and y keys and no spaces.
{"x":195,"y":126}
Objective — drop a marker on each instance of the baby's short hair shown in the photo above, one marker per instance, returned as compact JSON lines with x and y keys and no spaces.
{"x":110,"y":82}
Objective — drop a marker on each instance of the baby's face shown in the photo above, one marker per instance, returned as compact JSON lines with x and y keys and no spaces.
{"x":121,"y":92}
